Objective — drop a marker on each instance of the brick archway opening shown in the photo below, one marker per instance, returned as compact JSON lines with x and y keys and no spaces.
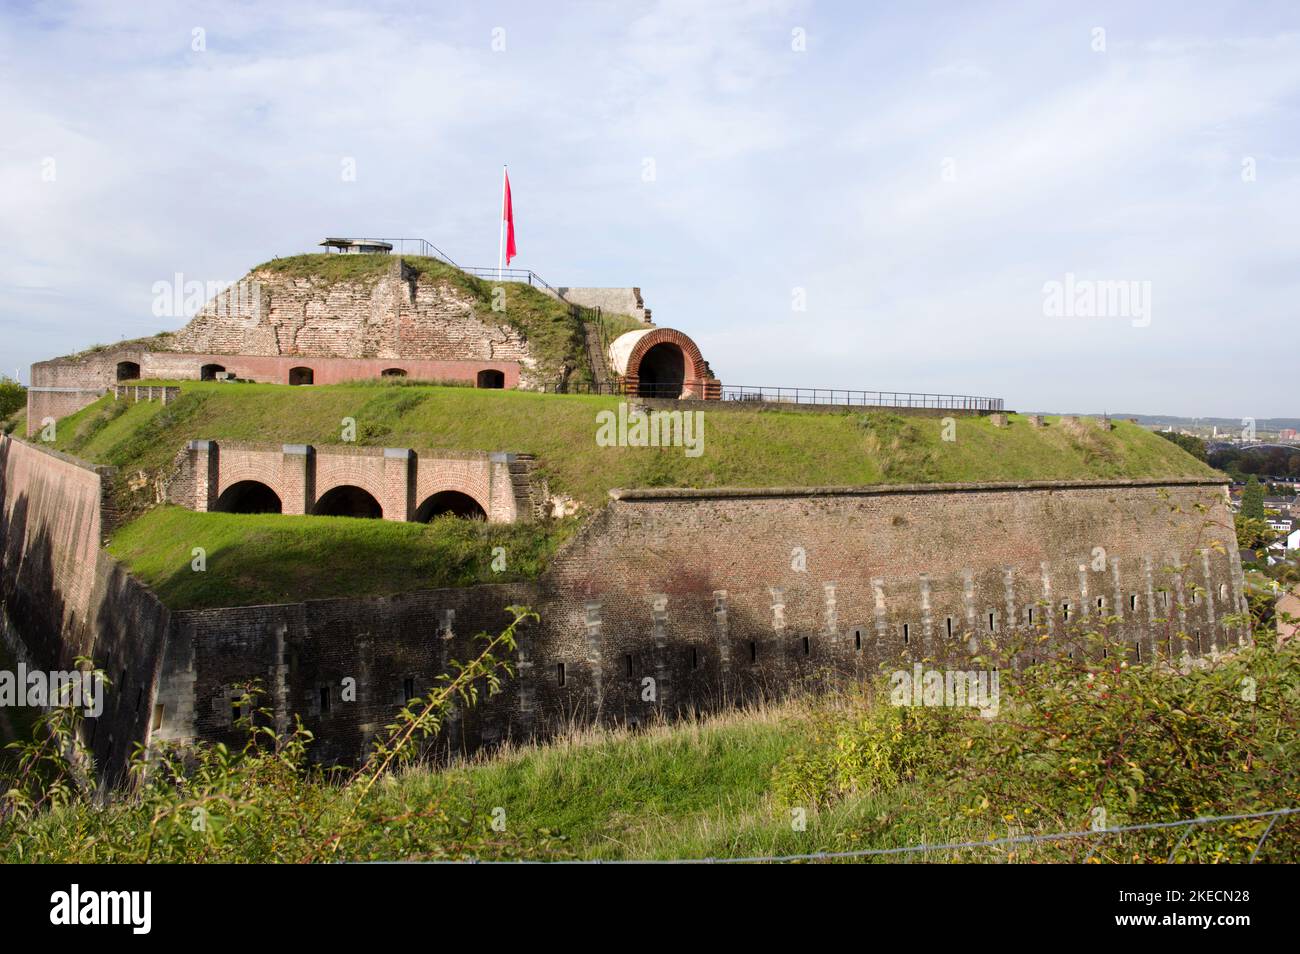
{"x":128,"y":371}
{"x":662,"y":363}
{"x":348,"y":501}
{"x":450,"y":502}
{"x":248,"y":496}
{"x":302,"y":376}
{"x":662,"y":371}
{"x":491,"y":378}
{"x":393,"y":373}
{"x":209,"y":372}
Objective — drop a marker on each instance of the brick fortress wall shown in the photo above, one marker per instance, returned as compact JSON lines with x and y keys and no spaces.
{"x":720,"y":595}
{"x":63,"y":596}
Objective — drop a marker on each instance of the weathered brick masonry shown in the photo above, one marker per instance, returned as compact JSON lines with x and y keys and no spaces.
{"x":399,"y":478}
{"x":712,"y":595}
{"x":270,"y":324}
{"x":702,"y":592}
{"x":64,"y":597}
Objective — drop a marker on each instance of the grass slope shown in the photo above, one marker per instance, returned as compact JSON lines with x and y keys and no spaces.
{"x":741,"y":448}
{"x":273,"y":558}
{"x":1151,"y":745}
{"x":1154,"y":746}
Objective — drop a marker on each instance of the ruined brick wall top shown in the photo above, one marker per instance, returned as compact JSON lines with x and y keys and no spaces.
{"x":393,"y":316}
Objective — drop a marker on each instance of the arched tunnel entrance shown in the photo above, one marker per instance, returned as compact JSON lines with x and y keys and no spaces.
{"x":450,"y":502}
{"x":662,"y":363}
{"x":662,"y":371}
{"x":348,"y":501}
{"x":248,"y":496}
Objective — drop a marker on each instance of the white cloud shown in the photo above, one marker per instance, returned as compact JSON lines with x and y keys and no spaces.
{"x":775,"y":168}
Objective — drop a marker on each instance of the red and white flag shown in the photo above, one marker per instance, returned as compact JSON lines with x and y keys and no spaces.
{"x":506,"y":249}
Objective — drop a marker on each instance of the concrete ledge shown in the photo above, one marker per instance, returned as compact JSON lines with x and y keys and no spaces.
{"x":102,"y":470}
{"x":874,"y":490}
{"x":42,"y":390}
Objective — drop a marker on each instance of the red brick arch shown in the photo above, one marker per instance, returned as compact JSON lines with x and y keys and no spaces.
{"x":364,"y":469}
{"x":469,"y":477}
{"x":697,"y":383}
{"x":474,"y":489}
{"x":363,"y":481}
{"x":268,"y":473}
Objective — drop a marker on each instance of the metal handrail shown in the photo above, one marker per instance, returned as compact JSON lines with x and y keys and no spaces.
{"x":810,"y":396}
{"x":426,"y":248}
{"x":805,"y":395}
{"x":526,"y":275}
{"x":840,"y":396}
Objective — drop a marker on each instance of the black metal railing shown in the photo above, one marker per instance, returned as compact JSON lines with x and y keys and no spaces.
{"x":617,"y":388}
{"x":419,"y":246}
{"x":838,"y":396}
{"x":525,"y":275}
{"x":807,"y":396}
{"x":415,"y":246}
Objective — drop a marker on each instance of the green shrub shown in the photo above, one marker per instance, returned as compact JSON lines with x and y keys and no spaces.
{"x":264,"y":801}
{"x":862,"y":745}
{"x":1083,"y":743}
{"x":12,"y":396}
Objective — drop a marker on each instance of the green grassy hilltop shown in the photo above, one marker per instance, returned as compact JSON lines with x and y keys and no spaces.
{"x":259,"y":559}
{"x":742,"y":448}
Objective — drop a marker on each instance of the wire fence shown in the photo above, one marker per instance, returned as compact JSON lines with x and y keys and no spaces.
{"x":1188,"y":825}
{"x":1010,"y":841}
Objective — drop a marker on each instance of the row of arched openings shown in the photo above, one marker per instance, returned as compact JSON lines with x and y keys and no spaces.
{"x":130,"y":371}
{"x":253,"y":496}
{"x":488,"y":378}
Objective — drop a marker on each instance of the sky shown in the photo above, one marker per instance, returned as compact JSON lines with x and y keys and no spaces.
{"x":1075,"y":207}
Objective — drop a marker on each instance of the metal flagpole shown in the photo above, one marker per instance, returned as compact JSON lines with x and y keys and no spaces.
{"x":501,"y":243}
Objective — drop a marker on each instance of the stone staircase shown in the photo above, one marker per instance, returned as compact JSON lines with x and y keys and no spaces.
{"x":528,"y":485}
{"x":601,"y":374}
